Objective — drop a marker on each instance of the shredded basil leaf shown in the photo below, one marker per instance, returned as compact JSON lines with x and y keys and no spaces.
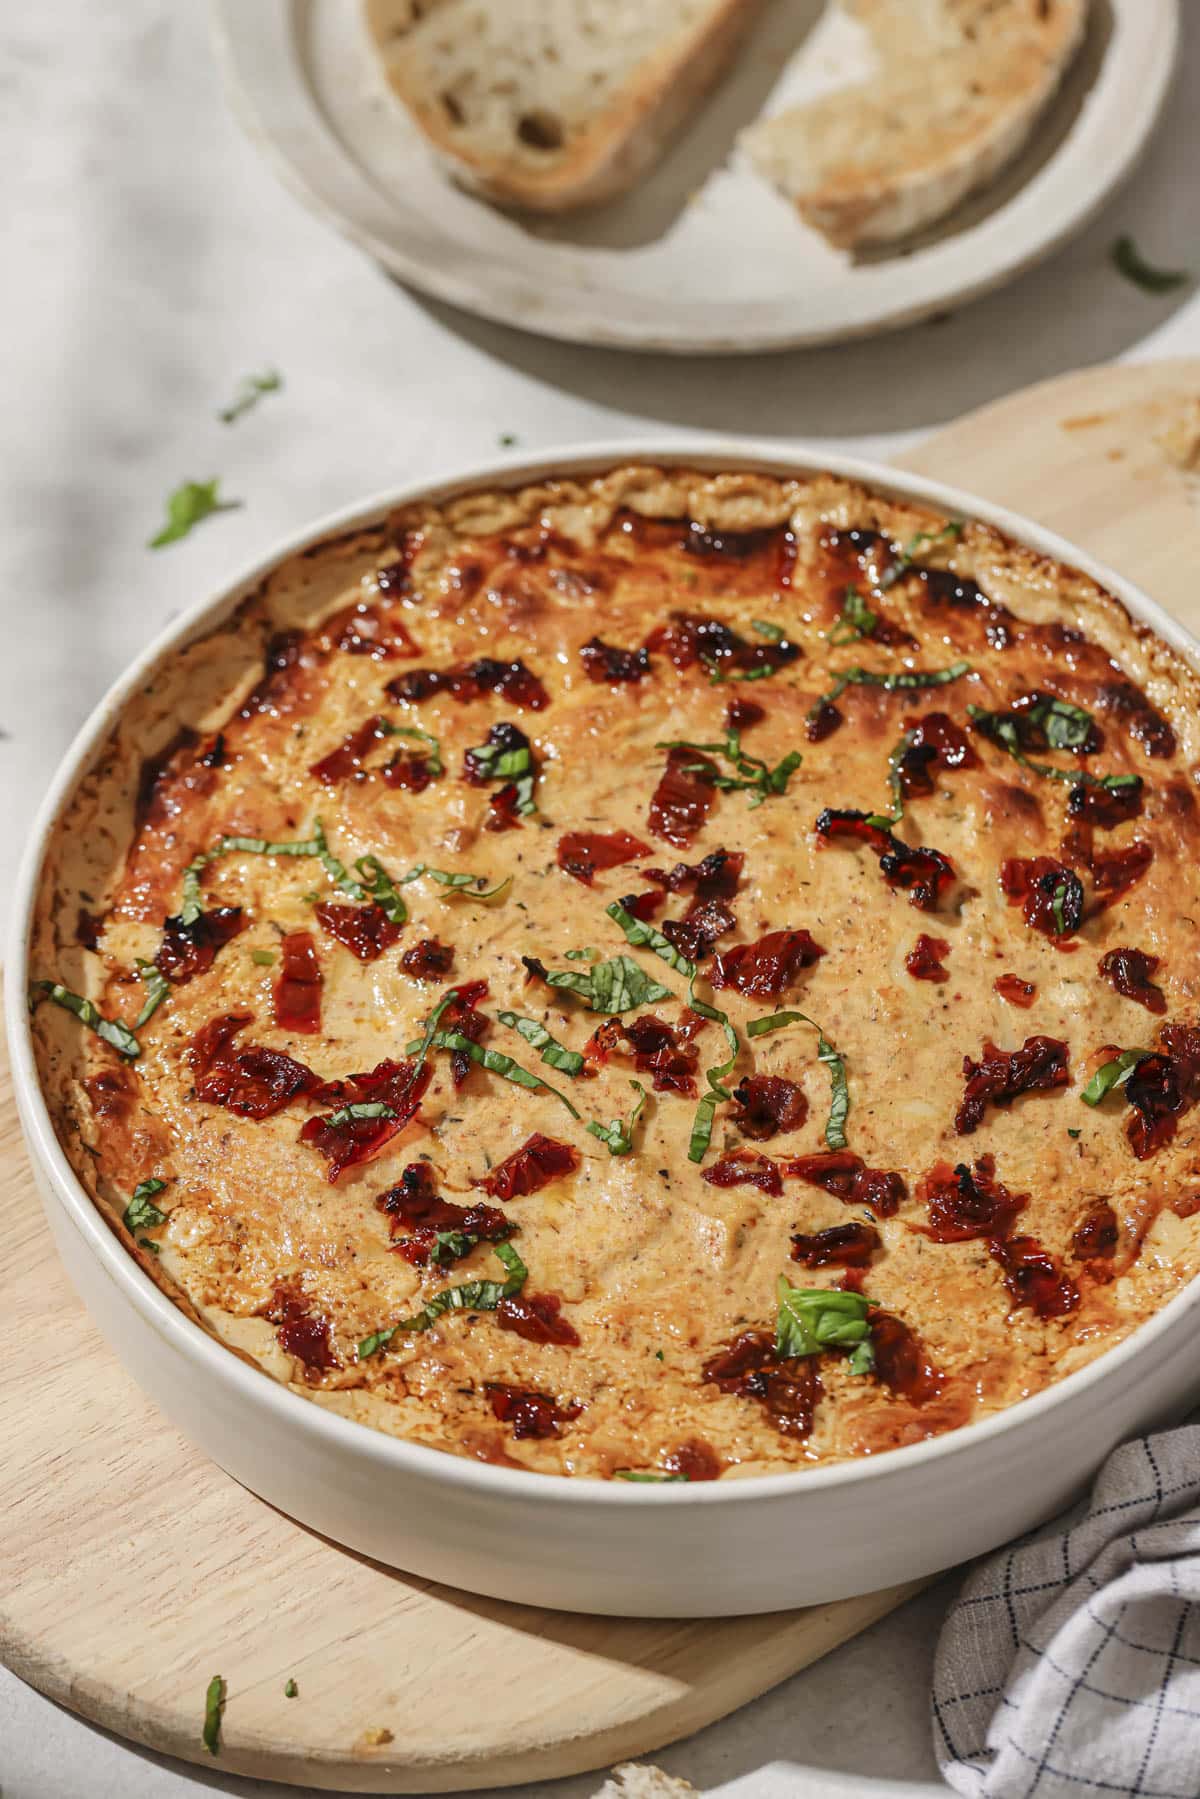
{"x":753,"y":776}
{"x":214,"y":1705}
{"x":863,"y":1359}
{"x":157,"y":990}
{"x":772,"y":633}
{"x":466,"y":886}
{"x":471,"y":1296}
{"x":434,"y":758}
{"x":290,"y":1690}
{"x":265,"y":958}
{"x":369,"y":1108}
{"x":900,"y":681}
{"x":617,"y":985}
{"x":381,"y":888}
{"x":855,"y":619}
{"x":923,"y":540}
{"x":250,"y":391}
{"x":110,"y":1029}
{"x":811,"y":1319}
{"x":423,"y":1045}
{"x":581,"y":955}
{"x":1060,"y":723}
{"x":141,"y":1214}
{"x":644,"y":936}
{"x":886,"y":821}
{"x":646,"y":1475}
{"x":492,"y":1060}
{"x":1130,"y":262}
{"x":839,"y":1108}
{"x":1113,"y":1074}
{"x":191,"y":502}
{"x":618,"y":1136}
{"x":494,"y":764}
{"x":553,"y":1053}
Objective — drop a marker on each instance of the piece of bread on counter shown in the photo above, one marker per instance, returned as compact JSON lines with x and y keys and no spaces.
{"x":553,"y":104}
{"x":960,"y":87}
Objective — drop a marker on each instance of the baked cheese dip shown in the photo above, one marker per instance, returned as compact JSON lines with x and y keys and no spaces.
{"x":662,"y":976}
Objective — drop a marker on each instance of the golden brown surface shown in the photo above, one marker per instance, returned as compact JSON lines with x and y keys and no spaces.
{"x":644,"y":1254}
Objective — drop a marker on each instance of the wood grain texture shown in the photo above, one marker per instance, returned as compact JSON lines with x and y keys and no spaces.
{"x":133,"y":1569}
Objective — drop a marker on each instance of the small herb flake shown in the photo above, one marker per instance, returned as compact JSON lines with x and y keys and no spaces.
{"x":265,"y":958}
{"x":1130,"y":262}
{"x":290,"y":1690}
{"x":214,"y":1705}
{"x":141,"y":1214}
{"x":250,"y":391}
{"x":186,"y":507}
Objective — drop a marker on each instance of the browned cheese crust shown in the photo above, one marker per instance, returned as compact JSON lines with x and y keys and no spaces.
{"x":655,"y":1269}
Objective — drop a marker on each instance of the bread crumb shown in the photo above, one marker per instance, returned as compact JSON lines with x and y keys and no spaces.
{"x":1086,"y":421}
{"x":376,"y":1736}
{"x":642,"y":1780}
{"x":1180,"y":439}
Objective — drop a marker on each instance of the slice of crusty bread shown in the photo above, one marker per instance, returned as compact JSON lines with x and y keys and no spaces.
{"x":961,"y":84}
{"x":552,"y":104}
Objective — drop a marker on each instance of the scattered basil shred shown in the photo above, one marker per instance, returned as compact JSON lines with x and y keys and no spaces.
{"x":157,"y":990}
{"x":111,"y":1030}
{"x":214,"y":1705}
{"x":1113,"y":1074}
{"x":811,"y":1319}
{"x":855,"y":619}
{"x":250,"y":391}
{"x":839,"y":1109}
{"x":471,"y":1296}
{"x":618,"y":1136}
{"x":1130,"y":262}
{"x":141,"y":1214}
{"x":186,"y":507}
{"x":753,"y":776}
{"x":552,"y":1052}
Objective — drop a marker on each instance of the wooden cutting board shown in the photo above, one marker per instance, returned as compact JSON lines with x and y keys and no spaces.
{"x":132,"y":1569}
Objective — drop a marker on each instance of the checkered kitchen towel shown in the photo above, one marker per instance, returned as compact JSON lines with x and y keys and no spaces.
{"x":1070,"y":1665}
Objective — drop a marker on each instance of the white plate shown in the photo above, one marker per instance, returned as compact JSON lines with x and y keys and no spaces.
{"x":702,"y":256}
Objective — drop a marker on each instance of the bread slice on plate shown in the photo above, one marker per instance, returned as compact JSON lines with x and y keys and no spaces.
{"x":960,"y":86}
{"x":553,"y":104}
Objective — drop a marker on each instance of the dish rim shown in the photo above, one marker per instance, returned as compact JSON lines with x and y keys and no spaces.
{"x":396,"y":1455}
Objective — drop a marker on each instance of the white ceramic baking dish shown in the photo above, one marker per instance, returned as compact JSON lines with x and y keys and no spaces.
{"x":588,"y":1545}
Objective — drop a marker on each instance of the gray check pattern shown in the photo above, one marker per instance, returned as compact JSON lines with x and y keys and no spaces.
{"x":1070,"y":1664}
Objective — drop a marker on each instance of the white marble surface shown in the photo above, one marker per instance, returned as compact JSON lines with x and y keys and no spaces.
{"x":150,"y":259}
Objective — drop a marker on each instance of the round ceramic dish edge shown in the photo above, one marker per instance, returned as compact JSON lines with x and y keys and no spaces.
{"x":583,"y":1544}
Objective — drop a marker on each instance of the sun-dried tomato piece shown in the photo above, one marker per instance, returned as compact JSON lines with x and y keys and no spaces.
{"x":1162,"y":1088}
{"x":365,"y":629}
{"x":281,"y":659}
{"x":187,"y":950}
{"x":924,"y":874}
{"x":768,"y":1104}
{"x":469,"y":680}
{"x":789,"y":1389}
{"x":1097,"y":1234}
{"x":1130,"y":971}
{"x":822,"y":721}
{"x":89,"y":928}
{"x":695,"y":1460}
{"x":846,"y":1245}
{"x":1050,"y":894}
{"x":463,"y":1017}
{"x":408,"y":772}
{"x":841,"y":1172}
{"x":603,"y":662}
{"x":110,"y":1092}
{"x":414,"y":1204}
{"x":1034,"y":1278}
{"x":428,"y":960}
{"x":644,"y":906}
{"x":581,"y":853}
{"x":539,"y":1161}
{"x":902,"y":1361}
{"x":1115,"y":874}
{"x":924,"y":959}
{"x":691,"y":637}
{"x":302,"y":1332}
{"x":767,"y":968}
{"x":366,"y":931}
{"x":741,"y":713}
{"x":350,"y":754}
{"x":713,"y":882}
{"x":1105,"y":807}
{"x":683,"y":798}
{"x":1130,"y":707}
{"x":935,"y":741}
{"x":535,"y":1317}
{"x":398,"y":1085}
{"x":1015,"y":991}
{"x":253,"y":1082}
{"x":963,"y":1204}
{"x":604,"y":1042}
{"x":664,"y":1052}
{"x":531,"y":1414}
{"x":297,"y":990}
{"x":746,"y":1168}
{"x":1001,"y":1075}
